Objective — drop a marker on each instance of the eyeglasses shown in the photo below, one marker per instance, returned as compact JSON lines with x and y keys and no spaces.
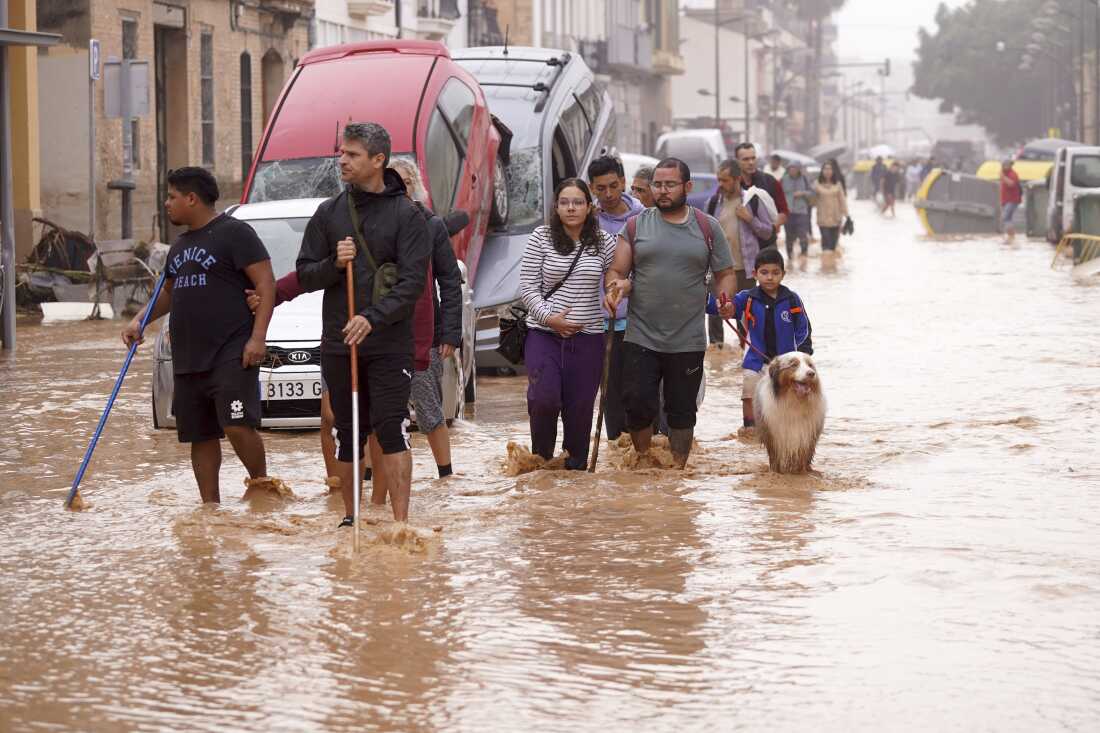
{"x":665,"y":185}
{"x":572,"y":203}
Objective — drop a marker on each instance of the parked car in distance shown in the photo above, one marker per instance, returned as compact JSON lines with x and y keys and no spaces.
{"x":290,"y":378}
{"x":632,"y":162}
{"x":1045,"y":148}
{"x":434,"y":111}
{"x":560,"y":119}
{"x":1076,"y":172}
{"x":702,"y":188}
{"x":703,"y":150}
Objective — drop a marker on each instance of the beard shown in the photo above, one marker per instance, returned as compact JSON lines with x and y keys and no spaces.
{"x":674,"y":205}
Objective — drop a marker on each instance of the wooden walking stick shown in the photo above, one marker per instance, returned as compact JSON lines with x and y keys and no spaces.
{"x":354,"y":352}
{"x":609,"y":338}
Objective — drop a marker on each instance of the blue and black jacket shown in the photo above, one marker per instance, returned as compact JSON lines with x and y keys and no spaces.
{"x":775,"y":326}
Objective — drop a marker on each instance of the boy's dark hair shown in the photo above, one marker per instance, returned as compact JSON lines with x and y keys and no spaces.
{"x":192,"y":179}
{"x":603,"y":165}
{"x":685,"y":172}
{"x":769,"y":256}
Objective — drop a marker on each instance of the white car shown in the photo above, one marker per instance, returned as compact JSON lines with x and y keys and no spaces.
{"x":290,"y":378}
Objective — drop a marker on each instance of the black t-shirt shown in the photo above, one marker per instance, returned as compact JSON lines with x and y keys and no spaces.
{"x":210,"y":320}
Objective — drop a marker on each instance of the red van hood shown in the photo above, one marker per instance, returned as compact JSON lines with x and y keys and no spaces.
{"x":372,"y":87}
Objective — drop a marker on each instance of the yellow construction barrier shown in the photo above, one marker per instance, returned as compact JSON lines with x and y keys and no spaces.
{"x":1089,"y":250}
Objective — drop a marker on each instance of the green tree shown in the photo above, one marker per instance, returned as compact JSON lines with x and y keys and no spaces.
{"x":971,"y":63}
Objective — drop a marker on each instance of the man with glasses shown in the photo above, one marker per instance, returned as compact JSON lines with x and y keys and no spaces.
{"x":662,"y":260}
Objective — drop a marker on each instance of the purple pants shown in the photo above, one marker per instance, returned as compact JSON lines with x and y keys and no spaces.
{"x":563,"y":377}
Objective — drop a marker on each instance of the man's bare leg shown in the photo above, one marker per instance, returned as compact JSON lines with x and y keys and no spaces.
{"x":347,"y":490}
{"x":328,"y":442}
{"x":206,"y":462}
{"x":380,"y":473}
{"x":642,"y":439}
{"x":249,"y":447}
{"x":398,"y":466}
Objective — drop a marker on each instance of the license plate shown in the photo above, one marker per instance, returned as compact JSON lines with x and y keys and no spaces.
{"x":291,"y":389}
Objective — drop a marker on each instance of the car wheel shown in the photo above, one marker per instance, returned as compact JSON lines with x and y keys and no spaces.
{"x":498,"y":215}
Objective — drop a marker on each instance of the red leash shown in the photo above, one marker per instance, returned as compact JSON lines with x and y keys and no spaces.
{"x":723,"y":300}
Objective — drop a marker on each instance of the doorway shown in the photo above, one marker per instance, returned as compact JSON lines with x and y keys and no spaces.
{"x":272,"y":80}
{"x":170,"y":70}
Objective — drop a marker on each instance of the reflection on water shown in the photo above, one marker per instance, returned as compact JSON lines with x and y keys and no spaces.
{"x":940,"y":572}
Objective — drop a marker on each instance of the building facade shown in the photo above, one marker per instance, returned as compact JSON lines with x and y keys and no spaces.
{"x":215,"y":70}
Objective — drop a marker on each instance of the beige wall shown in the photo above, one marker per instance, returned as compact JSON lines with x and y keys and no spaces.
{"x":63,"y":144}
{"x":257,"y":34}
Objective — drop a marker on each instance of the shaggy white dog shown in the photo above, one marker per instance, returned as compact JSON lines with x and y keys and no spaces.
{"x":789,"y":408}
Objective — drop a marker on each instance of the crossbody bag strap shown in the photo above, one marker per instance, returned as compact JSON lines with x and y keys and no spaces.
{"x":359,"y":235}
{"x":576,"y":258}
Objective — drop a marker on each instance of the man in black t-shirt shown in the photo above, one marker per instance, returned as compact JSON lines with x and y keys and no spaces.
{"x":217,"y":343}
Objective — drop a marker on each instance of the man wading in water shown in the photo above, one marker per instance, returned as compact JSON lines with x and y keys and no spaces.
{"x":669,"y":256}
{"x":390,"y":224}
{"x":217,"y":344}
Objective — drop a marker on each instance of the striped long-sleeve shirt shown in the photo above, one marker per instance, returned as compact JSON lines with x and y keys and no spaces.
{"x":543,"y":267}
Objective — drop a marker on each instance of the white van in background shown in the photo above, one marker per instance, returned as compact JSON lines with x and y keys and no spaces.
{"x":703,"y":150}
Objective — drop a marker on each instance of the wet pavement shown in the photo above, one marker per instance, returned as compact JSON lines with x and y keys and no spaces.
{"x":941,"y":573}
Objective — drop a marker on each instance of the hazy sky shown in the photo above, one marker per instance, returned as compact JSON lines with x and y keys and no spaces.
{"x":874,"y":29}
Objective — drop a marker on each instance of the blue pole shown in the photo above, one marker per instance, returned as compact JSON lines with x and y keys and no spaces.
{"x":114,"y":394}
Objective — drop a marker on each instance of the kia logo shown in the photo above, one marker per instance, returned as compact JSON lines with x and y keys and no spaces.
{"x":298,"y":357}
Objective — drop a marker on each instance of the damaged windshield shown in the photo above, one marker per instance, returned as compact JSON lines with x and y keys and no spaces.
{"x":525,"y":189}
{"x":299,"y":178}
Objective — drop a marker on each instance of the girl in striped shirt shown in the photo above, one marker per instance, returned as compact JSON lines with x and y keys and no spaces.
{"x":565,"y":260}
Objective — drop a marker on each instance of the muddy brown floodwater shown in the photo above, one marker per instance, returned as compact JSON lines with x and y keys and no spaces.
{"x":942,"y":573}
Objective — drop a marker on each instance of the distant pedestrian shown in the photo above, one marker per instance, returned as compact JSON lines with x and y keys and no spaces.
{"x":891,"y":181}
{"x":217,"y":343}
{"x":799,"y":193}
{"x":1012,"y":196}
{"x":929,"y":164}
{"x":832,"y":209}
{"x":878,"y":172}
{"x":373,"y":212}
{"x":775,"y":167}
{"x":662,"y":263}
{"x":606,"y":176}
{"x":913,"y":178}
{"x":750,"y":176}
{"x":561,"y":278}
{"x":640,"y":186}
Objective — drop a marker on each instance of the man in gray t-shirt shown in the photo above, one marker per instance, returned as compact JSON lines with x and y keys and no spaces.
{"x":665,"y":333}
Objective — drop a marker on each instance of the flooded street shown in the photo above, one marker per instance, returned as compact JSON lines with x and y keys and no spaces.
{"x":942,"y":572}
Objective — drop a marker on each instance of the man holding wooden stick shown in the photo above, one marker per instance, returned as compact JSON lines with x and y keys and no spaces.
{"x":377,"y":230}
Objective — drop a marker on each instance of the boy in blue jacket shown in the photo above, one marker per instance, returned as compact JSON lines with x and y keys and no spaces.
{"x":774,"y":320}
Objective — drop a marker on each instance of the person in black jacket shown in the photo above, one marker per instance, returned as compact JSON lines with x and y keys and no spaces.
{"x":427,"y":385}
{"x":382,"y":331}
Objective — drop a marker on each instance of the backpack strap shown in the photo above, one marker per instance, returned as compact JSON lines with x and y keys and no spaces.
{"x":358,"y":234}
{"x":631,"y":230}
{"x":712,"y":204}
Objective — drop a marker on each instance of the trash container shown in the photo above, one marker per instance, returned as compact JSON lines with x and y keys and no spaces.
{"x":952,"y":203}
{"x":1036,"y":197}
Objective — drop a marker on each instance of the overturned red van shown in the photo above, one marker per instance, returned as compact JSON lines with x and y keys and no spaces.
{"x":433,"y":109}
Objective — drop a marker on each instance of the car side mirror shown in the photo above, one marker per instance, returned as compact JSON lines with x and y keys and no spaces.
{"x":456,"y":221}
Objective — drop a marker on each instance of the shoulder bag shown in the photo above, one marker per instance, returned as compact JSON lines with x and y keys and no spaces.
{"x":385,"y":277}
{"x":513,"y":331}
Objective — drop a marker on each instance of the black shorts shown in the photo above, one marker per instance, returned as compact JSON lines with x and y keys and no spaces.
{"x":385,"y":381}
{"x":643,"y":371}
{"x":205,"y":403}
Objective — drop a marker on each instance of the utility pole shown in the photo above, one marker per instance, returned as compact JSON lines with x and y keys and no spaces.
{"x":717,"y":75}
{"x":745,"y":28}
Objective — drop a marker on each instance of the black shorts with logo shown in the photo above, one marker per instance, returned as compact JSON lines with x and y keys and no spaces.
{"x":204,"y":403}
{"x":385,"y":383}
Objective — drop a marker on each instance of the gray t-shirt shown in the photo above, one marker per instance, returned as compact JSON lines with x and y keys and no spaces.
{"x":669,"y":296}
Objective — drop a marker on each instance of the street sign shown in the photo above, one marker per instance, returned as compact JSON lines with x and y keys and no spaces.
{"x":138,"y":91}
{"x":93,"y":59}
